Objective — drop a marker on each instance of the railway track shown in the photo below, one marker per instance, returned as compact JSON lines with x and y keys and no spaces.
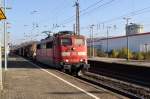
{"x":128,"y":89}
{"x":122,"y":76}
{"x":125,"y":88}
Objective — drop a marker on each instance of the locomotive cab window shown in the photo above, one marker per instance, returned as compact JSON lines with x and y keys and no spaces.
{"x":43,"y":46}
{"x":66,"y":41}
{"x":49,"y":44}
{"x":79,"y":41}
{"x":38,"y":46}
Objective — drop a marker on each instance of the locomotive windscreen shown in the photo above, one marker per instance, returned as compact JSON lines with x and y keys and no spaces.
{"x":66,"y":41}
{"x":79,"y":41}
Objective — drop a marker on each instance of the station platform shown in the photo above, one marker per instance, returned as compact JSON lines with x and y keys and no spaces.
{"x":25,"y":80}
{"x":121,"y":61}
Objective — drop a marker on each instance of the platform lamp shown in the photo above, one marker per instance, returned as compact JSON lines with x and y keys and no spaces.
{"x":2,"y":16}
{"x":108,"y":29}
{"x":92,"y":34}
{"x":127,"y":22}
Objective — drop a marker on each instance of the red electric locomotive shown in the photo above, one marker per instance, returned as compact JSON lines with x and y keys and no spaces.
{"x":64,"y":50}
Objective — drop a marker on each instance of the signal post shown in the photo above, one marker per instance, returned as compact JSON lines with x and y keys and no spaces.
{"x":2,"y":16}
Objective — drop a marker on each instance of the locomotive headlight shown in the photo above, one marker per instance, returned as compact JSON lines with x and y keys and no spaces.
{"x":67,"y":60}
{"x":82,"y":60}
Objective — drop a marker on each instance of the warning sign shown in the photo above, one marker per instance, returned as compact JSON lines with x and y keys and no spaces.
{"x":2,"y":15}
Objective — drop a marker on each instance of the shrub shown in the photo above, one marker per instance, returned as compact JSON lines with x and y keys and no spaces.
{"x":138,"y":55}
{"x":101,"y":53}
{"x":147,"y":55}
{"x":123,"y":53}
{"x":113,"y":53}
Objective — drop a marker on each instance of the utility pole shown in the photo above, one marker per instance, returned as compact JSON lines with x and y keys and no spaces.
{"x":5,"y":36}
{"x":146,"y":48}
{"x":74,"y":28}
{"x":108,"y":28}
{"x":2,"y":17}
{"x":1,"y":74}
{"x":127,"y":23}
{"x":1,"y":81}
{"x":90,"y":48}
{"x":77,"y":18}
{"x":91,"y":27}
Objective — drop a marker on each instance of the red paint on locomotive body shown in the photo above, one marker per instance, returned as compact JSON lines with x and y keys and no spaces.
{"x":74,"y":52}
{"x":63,"y":49}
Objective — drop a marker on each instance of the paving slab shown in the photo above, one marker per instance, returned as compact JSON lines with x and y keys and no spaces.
{"x":24,"y":80}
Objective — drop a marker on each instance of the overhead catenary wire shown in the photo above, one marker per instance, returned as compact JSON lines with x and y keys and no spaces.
{"x":83,"y":12}
{"x":92,"y":5}
{"x":71,"y":18}
{"x":88,"y":10}
{"x":94,"y":9}
{"x":133,"y":13}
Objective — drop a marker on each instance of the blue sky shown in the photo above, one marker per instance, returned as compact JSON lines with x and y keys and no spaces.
{"x":29,"y":18}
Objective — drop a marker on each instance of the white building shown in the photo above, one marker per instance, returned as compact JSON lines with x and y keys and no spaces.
{"x":134,"y":29}
{"x":137,"y":42}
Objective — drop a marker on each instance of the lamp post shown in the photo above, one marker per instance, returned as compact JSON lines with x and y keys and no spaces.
{"x":108,"y":28}
{"x":146,"y":48}
{"x":2,"y":16}
{"x":91,"y":27}
{"x":77,"y":17}
{"x":35,"y":25}
{"x":90,"y":48}
{"x":127,"y":22}
{"x":5,"y":34}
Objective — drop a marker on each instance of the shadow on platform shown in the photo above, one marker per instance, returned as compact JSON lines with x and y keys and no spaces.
{"x":76,"y":93}
{"x":19,"y":62}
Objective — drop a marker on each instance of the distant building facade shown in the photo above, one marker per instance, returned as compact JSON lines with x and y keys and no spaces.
{"x":134,"y":29}
{"x":137,"y":42}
